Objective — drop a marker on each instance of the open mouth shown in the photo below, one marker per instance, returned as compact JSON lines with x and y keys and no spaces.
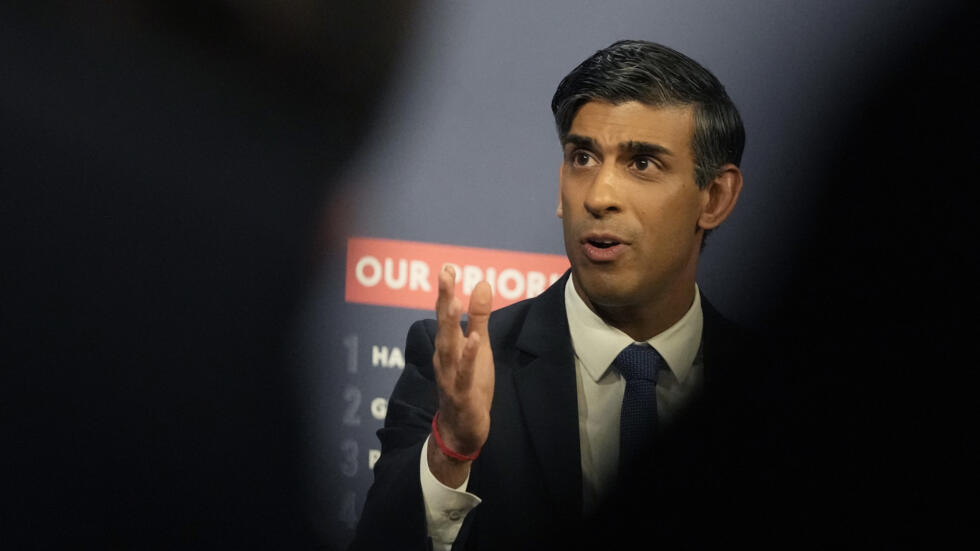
{"x":603,"y":248}
{"x":603,"y":243}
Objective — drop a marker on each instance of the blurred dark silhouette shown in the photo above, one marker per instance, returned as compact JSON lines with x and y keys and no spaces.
{"x":164,"y":169}
{"x":882,"y":317}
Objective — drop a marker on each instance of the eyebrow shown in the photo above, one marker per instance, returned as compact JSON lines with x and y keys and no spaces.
{"x":631,"y":147}
{"x":645,"y":148}
{"x":579,"y":141}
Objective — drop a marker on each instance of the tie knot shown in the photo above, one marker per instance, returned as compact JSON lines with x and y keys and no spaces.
{"x":639,"y":361}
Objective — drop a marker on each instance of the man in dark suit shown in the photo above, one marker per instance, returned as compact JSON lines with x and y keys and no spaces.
{"x":618,"y":395}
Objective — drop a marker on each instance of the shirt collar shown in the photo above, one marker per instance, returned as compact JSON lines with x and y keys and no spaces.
{"x":596,"y":343}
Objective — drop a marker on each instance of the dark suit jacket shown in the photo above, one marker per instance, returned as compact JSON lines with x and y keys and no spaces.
{"x":713,"y":462}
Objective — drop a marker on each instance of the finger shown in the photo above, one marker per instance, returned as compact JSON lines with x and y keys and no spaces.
{"x":445,"y":337}
{"x":448,"y":338}
{"x":447,"y":284}
{"x":481,"y":302}
{"x":448,"y":335}
{"x":467,"y":364}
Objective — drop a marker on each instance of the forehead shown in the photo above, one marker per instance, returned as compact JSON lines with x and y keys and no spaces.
{"x":611,"y":125}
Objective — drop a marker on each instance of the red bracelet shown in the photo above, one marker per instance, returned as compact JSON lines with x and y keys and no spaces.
{"x":445,"y":449}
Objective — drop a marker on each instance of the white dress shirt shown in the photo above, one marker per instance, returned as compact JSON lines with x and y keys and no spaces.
{"x":600,"y":398}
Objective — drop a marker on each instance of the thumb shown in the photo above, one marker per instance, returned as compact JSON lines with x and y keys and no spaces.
{"x":481,"y":302}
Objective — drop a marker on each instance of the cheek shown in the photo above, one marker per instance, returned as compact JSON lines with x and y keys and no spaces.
{"x":672,"y":220}
{"x":687,"y":206}
{"x":567,"y":223}
{"x":569,"y":204}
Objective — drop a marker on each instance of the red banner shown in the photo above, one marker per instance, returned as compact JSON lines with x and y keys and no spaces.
{"x":387,"y":272}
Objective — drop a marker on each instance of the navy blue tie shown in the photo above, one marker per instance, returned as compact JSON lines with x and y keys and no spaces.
{"x":639,"y":365}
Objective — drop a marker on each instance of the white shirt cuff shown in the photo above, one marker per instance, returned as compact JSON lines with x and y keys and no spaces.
{"x":445,"y":507}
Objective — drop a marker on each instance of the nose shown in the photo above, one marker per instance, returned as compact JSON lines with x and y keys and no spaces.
{"x":602,"y":197}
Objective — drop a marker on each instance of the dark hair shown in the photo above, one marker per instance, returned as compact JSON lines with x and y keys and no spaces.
{"x":636,"y":70}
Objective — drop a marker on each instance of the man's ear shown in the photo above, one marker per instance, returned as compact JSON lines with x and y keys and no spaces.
{"x":720,"y":197}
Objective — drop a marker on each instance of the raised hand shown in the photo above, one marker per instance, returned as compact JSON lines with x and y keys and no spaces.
{"x":464,"y":375}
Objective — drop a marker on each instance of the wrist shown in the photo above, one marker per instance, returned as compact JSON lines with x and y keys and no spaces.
{"x":447,"y":471}
{"x":448,"y":448}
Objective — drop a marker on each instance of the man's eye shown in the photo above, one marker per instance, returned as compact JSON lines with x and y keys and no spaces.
{"x":581,"y":158}
{"x":643,"y":164}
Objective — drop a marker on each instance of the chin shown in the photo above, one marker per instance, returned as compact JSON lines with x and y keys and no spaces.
{"x":604,"y":289}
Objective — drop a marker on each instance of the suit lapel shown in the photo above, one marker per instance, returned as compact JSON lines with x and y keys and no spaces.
{"x":546,"y":391}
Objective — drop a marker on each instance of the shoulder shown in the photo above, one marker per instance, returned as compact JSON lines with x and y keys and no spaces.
{"x":747,"y":371}
{"x":724,"y":339}
{"x":738,"y":358}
